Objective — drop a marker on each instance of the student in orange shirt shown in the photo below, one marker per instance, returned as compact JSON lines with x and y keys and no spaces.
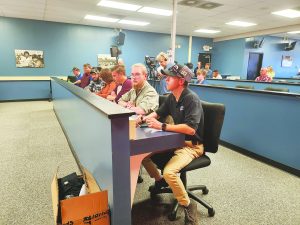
{"x":110,"y":84}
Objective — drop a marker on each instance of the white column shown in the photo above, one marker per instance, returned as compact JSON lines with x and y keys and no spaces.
{"x":190,"y":49}
{"x":173,"y":31}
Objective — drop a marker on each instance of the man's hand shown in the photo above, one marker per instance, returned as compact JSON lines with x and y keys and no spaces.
{"x":154,"y":123}
{"x":139,"y":120}
{"x":110,"y":98}
{"x":129,"y":105}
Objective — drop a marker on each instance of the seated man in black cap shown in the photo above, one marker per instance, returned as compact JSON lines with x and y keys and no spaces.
{"x":96,"y":83}
{"x":186,"y":109}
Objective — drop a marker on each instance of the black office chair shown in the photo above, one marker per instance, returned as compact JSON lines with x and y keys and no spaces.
{"x":244,"y":87}
{"x":213,"y":121}
{"x":276,"y":89}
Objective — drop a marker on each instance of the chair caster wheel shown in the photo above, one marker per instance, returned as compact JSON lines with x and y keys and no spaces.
{"x":140,"y":180}
{"x":205,"y":191}
{"x":211,"y":212}
{"x":172,"y":216}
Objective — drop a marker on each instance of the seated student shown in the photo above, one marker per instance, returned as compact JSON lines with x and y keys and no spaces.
{"x":123,"y":83}
{"x":270,"y":72}
{"x":109,"y":84}
{"x":186,"y":110}
{"x":208,"y":70}
{"x":201,"y":76}
{"x":95,"y":84}
{"x":263,"y":77}
{"x":142,"y":98}
{"x":86,"y":77}
{"x":77,"y":74}
{"x":216,"y":75}
{"x":197,"y":68}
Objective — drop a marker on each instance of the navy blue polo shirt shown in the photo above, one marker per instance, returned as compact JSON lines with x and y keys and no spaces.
{"x":188,"y":110}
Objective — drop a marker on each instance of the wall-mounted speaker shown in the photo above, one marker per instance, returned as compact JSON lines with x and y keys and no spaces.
{"x":120,"y":39}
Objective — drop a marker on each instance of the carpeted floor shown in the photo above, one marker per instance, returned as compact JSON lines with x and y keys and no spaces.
{"x":243,"y":191}
{"x":32,"y":146}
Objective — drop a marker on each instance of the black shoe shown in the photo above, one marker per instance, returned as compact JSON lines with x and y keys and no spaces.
{"x":158,"y":185}
{"x":191,"y":214}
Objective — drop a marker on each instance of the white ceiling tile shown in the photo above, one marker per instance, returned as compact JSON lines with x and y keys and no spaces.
{"x":188,"y":18}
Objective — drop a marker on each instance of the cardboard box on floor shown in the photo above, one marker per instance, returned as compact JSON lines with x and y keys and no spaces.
{"x":91,"y":208}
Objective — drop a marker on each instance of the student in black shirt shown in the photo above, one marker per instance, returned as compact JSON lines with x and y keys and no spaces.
{"x":185,"y":108}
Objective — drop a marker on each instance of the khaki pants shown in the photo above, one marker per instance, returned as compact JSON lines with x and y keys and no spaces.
{"x":182,"y":157}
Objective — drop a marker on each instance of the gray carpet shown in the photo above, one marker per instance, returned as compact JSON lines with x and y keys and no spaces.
{"x":32,"y":145}
{"x":242,"y":190}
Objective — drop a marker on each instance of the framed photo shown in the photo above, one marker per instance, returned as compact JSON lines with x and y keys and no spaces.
{"x":106,"y":61}
{"x":29,"y":58}
{"x":287,"y":61}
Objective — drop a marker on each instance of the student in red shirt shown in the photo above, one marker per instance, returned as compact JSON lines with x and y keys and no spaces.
{"x":86,"y":77}
{"x":123,"y":83}
{"x":263,"y":76}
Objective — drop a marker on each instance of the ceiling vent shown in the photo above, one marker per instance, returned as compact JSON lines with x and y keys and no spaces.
{"x":209,"y":5}
{"x":191,"y":3}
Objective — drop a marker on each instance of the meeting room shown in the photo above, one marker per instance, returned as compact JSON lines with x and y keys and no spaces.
{"x":127,"y":112}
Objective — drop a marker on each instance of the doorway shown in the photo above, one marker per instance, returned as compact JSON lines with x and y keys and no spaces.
{"x":254,"y":65}
{"x":204,"y":58}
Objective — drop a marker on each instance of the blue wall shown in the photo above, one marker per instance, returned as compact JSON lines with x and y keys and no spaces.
{"x":273,"y":53}
{"x":231,"y":57}
{"x":68,"y":45}
{"x":228,"y":56}
{"x":197,"y":47}
{"x":24,"y":90}
{"x":259,"y":122}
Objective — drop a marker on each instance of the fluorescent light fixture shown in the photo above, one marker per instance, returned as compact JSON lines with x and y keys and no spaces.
{"x":132,"y":22}
{"x":119,"y":5}
{"x":101,"y":18}
{"x":241,"y":24}
{"x":207,"y":31}
{"x":294,"y":32}
{"x":290,"y":13}
{"x":156,"y":11}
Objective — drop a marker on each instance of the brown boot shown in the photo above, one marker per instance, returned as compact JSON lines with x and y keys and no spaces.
{"x":191,"y":214}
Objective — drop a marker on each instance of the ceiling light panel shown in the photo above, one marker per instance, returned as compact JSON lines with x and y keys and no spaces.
{"x":290,"y":13}
{"x":133,"y":22}
{"x":101,"y":18}
{"x":294,"y":32}
{"x":207,"y":31}
{"x":241,"y":24}
{"x":119,"y":5}
{"x":156,"y":11}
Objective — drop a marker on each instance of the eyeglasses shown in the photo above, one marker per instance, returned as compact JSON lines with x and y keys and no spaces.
{"x":136,"y":74}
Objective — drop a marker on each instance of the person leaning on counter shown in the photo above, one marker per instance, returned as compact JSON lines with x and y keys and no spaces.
{"x":142,"y":98}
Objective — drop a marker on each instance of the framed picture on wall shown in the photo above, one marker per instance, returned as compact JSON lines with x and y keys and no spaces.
{"x":287,"y":61}
{"x":106,"y":61}
{"x":29,"y":58}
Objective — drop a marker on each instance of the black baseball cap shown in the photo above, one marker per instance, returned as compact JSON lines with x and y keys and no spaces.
{"x":177,"y":70}
{"x":93,"y":71}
